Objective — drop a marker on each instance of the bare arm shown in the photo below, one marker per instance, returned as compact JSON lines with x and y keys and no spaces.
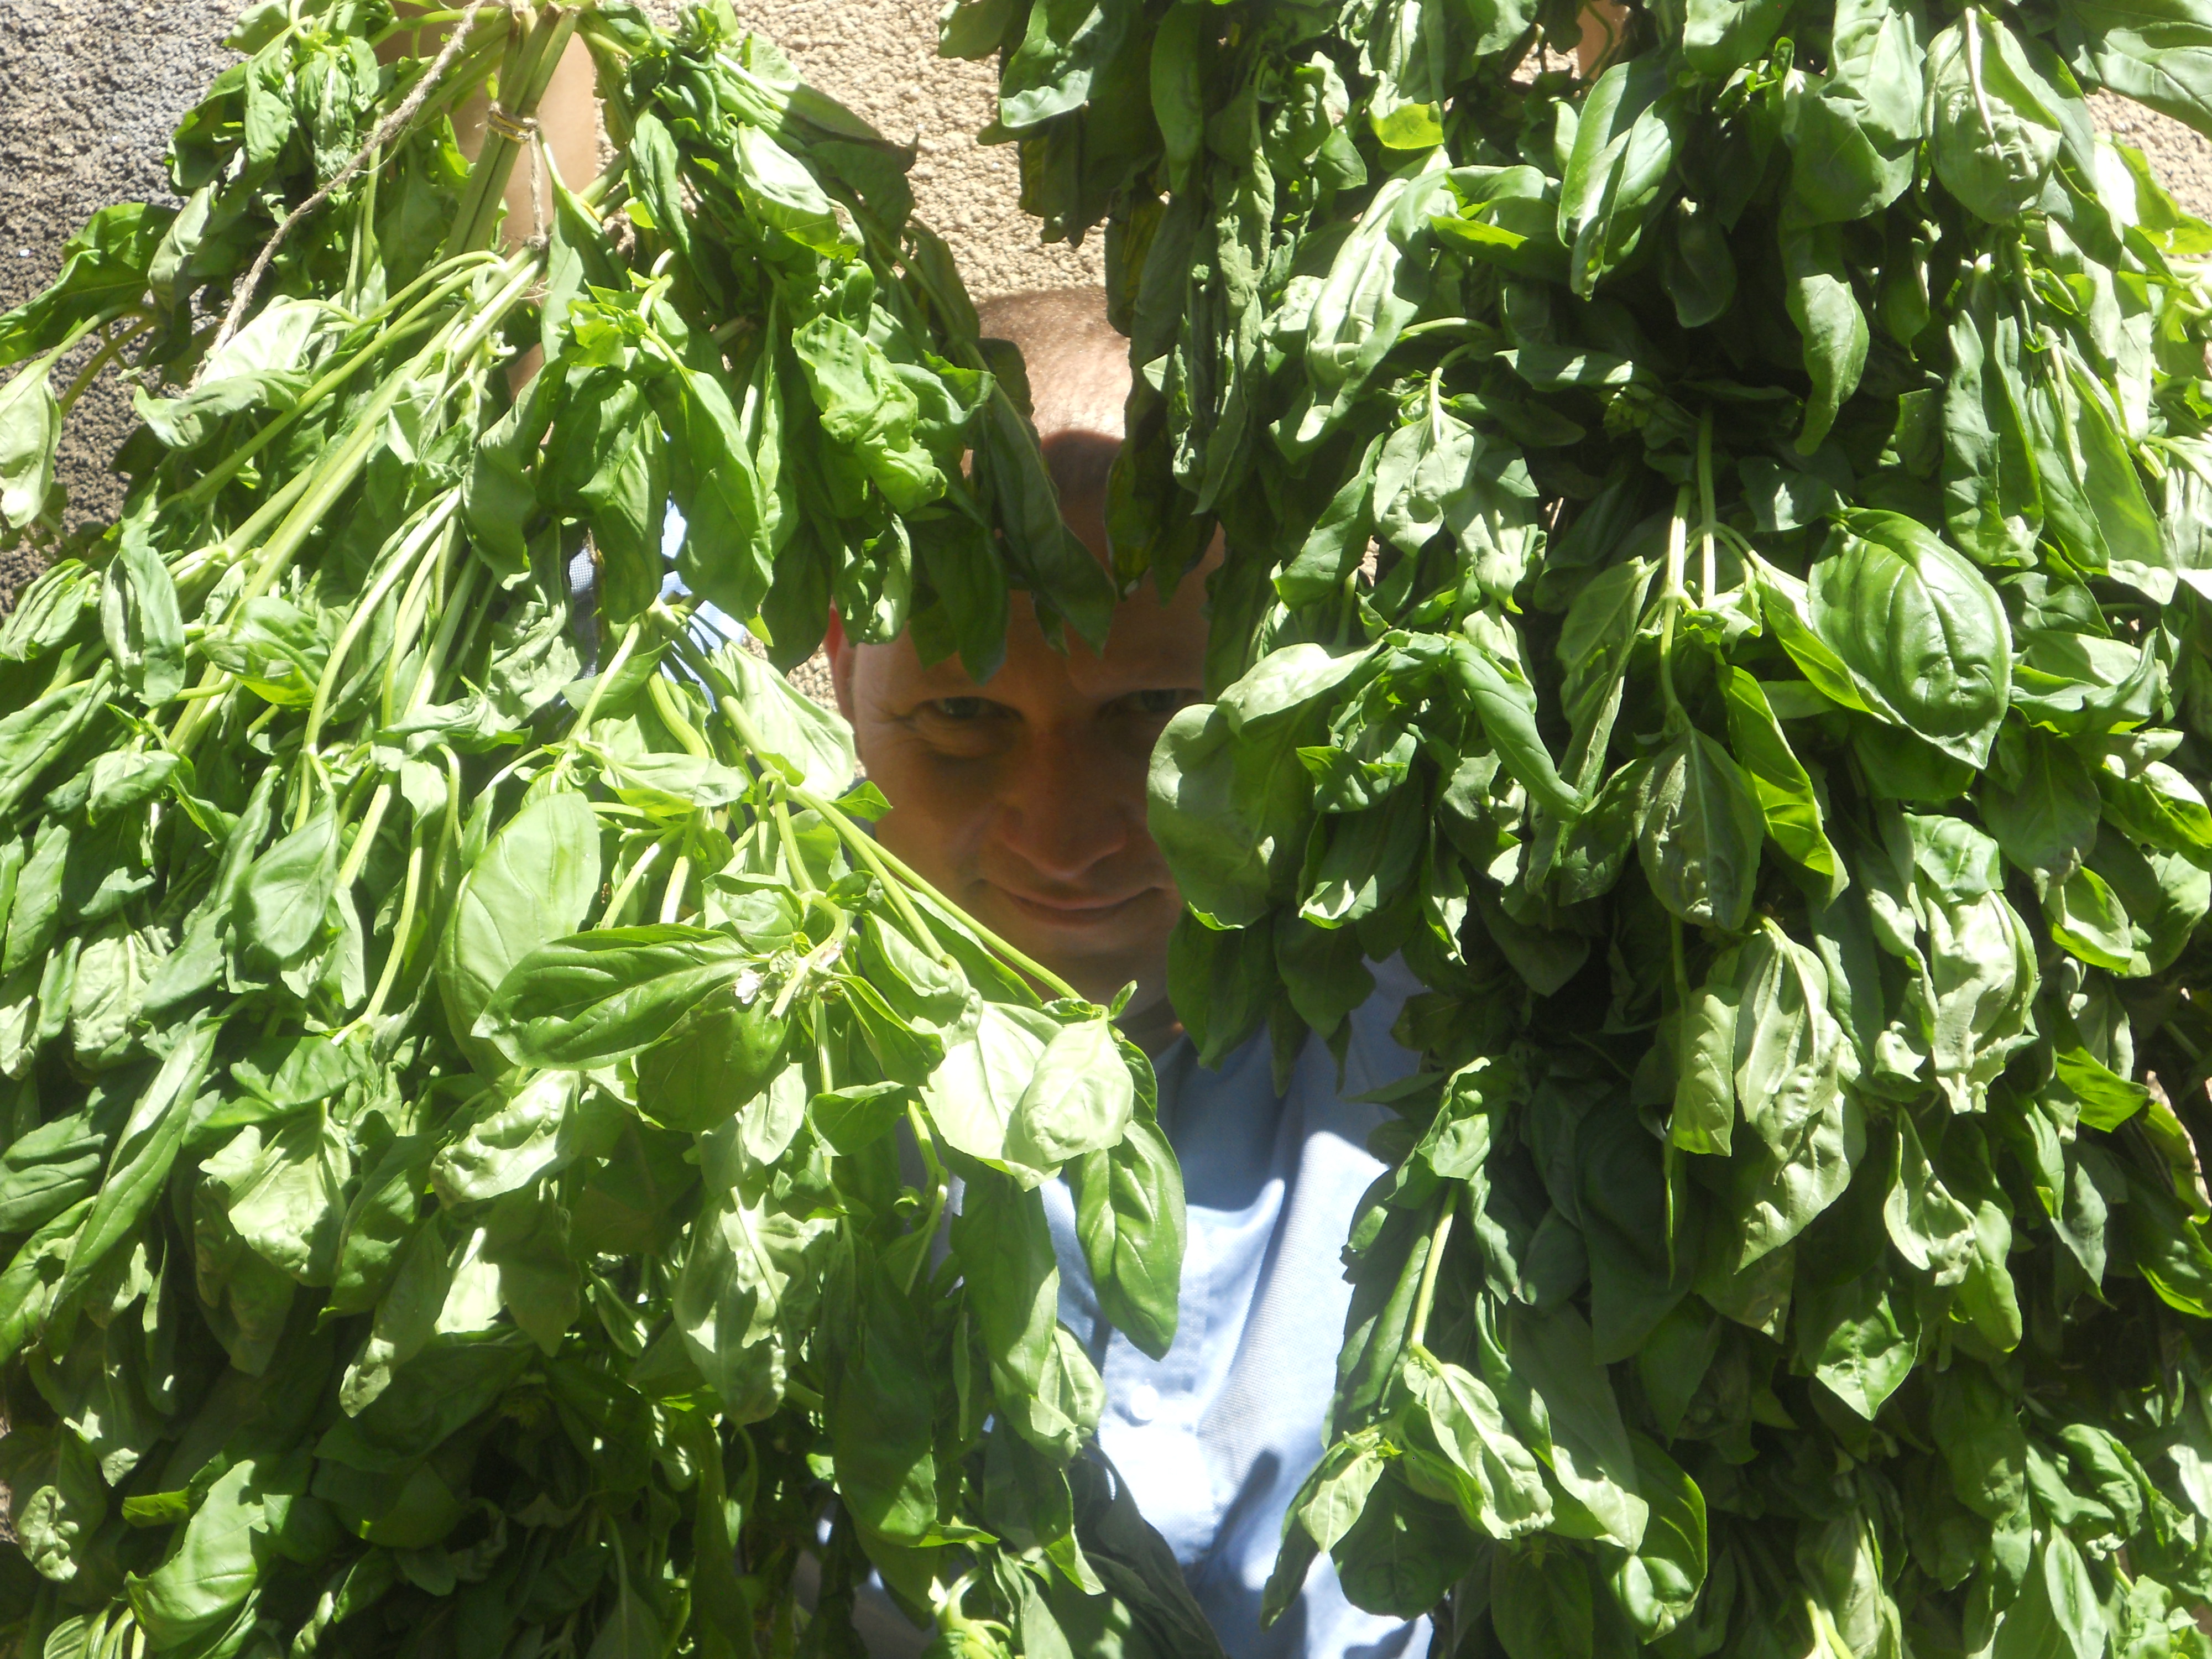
{"x":567,"y":120}
{"x":1603,"y":21}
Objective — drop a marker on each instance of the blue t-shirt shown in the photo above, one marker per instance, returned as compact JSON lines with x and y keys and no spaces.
{"x":1216,"y":1439}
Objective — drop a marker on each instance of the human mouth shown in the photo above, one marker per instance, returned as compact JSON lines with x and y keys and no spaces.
{"x":1077,"y":912}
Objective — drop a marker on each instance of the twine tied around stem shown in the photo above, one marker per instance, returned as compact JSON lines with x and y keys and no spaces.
{"x":391,"y":125}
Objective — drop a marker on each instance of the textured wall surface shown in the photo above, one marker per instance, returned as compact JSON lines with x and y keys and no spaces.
{"x":880,"y":58}
{"x":89,"y":89}
{"x":2183,"y":159}
{"x":88,"y":92}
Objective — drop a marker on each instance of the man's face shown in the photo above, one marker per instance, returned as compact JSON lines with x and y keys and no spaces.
{"x":1022,"y":799}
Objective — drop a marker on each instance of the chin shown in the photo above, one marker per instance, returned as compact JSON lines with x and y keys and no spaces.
{"x":1098,"y":957}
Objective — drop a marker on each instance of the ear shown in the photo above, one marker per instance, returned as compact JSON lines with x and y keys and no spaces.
{"x":841,"y":652}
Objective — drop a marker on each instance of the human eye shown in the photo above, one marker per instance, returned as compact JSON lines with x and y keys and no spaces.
{"x":963,"y":727}
{"x":1157,"y":702}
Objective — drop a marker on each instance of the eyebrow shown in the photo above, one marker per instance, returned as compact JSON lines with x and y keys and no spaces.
{"x":1144,"y":676}
{"x":942,"y":680}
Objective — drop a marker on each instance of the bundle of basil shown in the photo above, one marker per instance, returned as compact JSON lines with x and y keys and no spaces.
{"x":451,"y":1173}
{"x":1717,"y":581}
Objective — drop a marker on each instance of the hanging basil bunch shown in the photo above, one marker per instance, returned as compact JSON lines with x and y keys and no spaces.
{"x":1716,"y":580}
{"x":478,"y":1107}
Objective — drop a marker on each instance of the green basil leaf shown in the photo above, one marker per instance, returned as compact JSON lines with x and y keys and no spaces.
{"x":1787,"y":801}
{"x":879,"y":1423}
{"x":1130,"y":1216}
{"x":1540,"y":1603}
{"x":1822,"y":302}
{"x":1701,"y":828}
{"x":1924,"y":636}
{"x":531,"y":884}
{"x":1995,"y":132}
{"x":30,"y":433}
{"x":594,"y":998}
{"x":1658,"y":1586}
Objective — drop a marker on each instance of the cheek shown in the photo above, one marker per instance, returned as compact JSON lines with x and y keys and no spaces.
{"x":936,"y":818}
{"x":1135,"y":761}
{"x":1137,"y":741}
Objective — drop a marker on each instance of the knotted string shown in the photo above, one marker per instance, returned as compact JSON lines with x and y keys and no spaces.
{"x":388,"y":127}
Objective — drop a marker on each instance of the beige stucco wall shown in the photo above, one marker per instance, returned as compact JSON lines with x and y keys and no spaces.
{"x":880,"y":58}
{"x":90,"y":89}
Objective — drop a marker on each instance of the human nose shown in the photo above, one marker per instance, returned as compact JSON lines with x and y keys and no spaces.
{"x":1062,"y":811}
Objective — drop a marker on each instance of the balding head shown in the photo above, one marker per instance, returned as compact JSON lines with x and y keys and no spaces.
{"x":1079,"y":377}
{"x":1022,"y":797}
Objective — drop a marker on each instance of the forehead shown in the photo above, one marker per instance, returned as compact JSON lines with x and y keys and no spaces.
{"x":1151,"y":647}
{"x":1077,"y":366}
